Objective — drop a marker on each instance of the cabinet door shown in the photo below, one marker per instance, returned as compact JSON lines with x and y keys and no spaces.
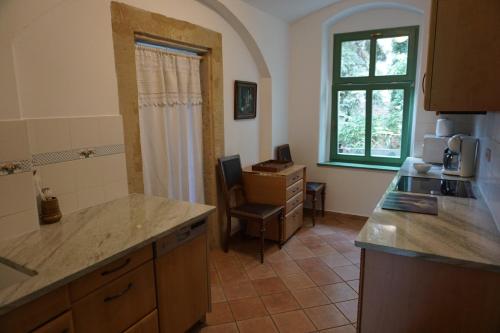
{"x":62,"y":324}
{"x":182,"y":285}
{"x":148,"y":324}
{"x":463,"y":64}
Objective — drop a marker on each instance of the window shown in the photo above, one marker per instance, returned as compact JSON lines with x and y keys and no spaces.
{"x":373,"y":86}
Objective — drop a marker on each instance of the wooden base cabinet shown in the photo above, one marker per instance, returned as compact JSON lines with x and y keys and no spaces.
{"x":413,"y":295}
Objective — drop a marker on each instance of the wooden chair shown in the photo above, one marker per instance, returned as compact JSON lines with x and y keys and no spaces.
{"x":314,"y":189}
{"x":231,"y":177}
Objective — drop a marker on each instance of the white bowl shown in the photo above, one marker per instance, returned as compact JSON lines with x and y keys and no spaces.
{"x":422,"y":167}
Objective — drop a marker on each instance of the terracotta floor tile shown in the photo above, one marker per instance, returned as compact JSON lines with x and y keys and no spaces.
{"x":260,"y":271}
{"x":224,"y":328}
{"x":247,"y":308}
{"x":230,"y":261}
{"x":344,"y":246}
{"x":293,"y":322}
{"x":353,"y":256}
{"x":286,"y":268}
{"x":228,"y":275}
{"x":310,"y":297}
{"x":347,"y":273}
{"x":305,"y":231}
{"x":341,"y":329}
{"x":217,"y":294}
{"x":220,"y":314}
{"x":268,"y":286}
{"x":300,"y":252}
{"x":257,"y":325}
{"x":312,"y":240}
{"x":324,"y":277}
{"x":312,"y":264}
{"x":282,"y":302}
{"x":339,"y":292}
{"x":323,"y":229}
{"x":326,"y":316}
{"x":214,"y":278}
{"x":278,"y":256}
{"x":237,"y":290}
{"x":334,"y":260}
{"x":349,"y":309}
{"x":354,"y":284}
{"x":335,"y":237}
{"x":298,"y":281}
{"x":322,"y":249}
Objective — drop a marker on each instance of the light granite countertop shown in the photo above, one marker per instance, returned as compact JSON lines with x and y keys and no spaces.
{"x":463,"y":233}
{"x":90,"y":238}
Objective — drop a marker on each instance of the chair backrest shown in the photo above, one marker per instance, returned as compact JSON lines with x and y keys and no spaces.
{"x":231,"y":177}
{"x":283,"y":153}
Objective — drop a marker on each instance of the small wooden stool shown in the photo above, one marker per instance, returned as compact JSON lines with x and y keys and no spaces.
{"x":314,"y":189}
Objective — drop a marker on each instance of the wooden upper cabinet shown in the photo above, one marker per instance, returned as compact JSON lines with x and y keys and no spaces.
{"x":463,"y":64}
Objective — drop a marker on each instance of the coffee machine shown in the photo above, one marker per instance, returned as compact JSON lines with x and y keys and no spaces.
{"x":460,"y":157}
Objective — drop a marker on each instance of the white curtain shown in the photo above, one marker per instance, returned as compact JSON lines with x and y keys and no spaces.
{"x":170,"y":107}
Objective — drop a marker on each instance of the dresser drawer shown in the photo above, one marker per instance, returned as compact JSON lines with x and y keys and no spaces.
{"x":293,"y":221}
{"x":294,"y":189}
{"x":90,"y":282}
{"x":148,"y":324}
{"x":61,"y":324}
{"x":294,"y":201}
{"x":119,"y":304}
{"x":294,"y":177}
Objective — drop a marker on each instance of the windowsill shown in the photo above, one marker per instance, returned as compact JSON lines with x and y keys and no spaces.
{"x":359,"y":166}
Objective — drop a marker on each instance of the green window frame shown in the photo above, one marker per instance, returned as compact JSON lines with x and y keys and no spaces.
{"x":372,"y":83}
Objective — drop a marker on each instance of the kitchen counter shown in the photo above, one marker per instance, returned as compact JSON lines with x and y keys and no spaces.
{"x":463,"y":233}
{"x":88,"y":239}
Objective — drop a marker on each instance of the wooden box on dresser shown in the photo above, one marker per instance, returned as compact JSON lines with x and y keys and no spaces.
{"x":145,"y":291}
{"x":285,"y":188}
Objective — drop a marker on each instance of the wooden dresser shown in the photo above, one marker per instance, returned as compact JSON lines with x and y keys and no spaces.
{"x":285,"y":188}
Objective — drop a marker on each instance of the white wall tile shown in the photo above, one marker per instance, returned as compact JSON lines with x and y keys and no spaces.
{"x":68,"y":202}
{"x":17,"y":224}
{"x":16,"y":193}
{"x":116,"y":190}
{"x":113,"y":168}
{"x":49,"y":135}
{"x":85,"y":132}
{"x":60,"y":177}
{"x":111,"y":128}
{"x":89,"y":172}
{"x":14,"y":143}
{"x":90,"y":197}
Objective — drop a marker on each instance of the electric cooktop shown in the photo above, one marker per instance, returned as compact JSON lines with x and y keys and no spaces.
{"x":434,"y":186}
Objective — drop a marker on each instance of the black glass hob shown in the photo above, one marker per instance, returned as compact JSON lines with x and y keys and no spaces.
{"x":434,"y":186}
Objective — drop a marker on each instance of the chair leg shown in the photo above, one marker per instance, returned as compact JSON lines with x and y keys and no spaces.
{"x":323,"y":201}
{"x":314,"y":209}
{"x":281,"y":222}
{"x":228,"y":234}
{"x":262,"y":234}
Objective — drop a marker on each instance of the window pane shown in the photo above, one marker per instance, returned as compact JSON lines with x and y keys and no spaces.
{"x":351,"y":122}
{"x":391,"y":56}
{"x":355,"y":58}
{"x":387,"y":122}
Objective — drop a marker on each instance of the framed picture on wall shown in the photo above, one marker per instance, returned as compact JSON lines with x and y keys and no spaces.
{"x":245,"y":100}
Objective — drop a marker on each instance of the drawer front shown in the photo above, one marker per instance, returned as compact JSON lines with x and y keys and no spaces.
{"x":294,"y":189}
{"x":119,"y":304}
{"x":293,"y":221}
{"x":62,"y":324}
{"x":32,"y":315}
{"x":294,"y":202}
{"x":90,"y":282}
{"x":148,"y":324}
{"x":294,"y":177}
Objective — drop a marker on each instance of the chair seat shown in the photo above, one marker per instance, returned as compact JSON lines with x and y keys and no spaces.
{"x":312,"y":187}
{"x":255,"y":210}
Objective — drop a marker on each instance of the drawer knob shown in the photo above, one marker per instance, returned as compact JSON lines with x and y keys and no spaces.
{"x":120,"y":294}
{"x":116,"y":269}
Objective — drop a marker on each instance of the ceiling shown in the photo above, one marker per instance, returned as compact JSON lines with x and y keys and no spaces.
{"x":290,"y":10}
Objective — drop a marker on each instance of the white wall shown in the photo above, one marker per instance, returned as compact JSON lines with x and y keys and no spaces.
{"x":64,"y":62}
{"x":353,"y":191}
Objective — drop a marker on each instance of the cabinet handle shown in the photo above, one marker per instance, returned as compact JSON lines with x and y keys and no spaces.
{"x":183,"y":235}
{"x":116,"y":268}
{"x":121,"y":293}
{"x":423,"y":83}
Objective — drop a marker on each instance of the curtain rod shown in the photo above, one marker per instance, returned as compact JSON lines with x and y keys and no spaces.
{"x":162,"y":42}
